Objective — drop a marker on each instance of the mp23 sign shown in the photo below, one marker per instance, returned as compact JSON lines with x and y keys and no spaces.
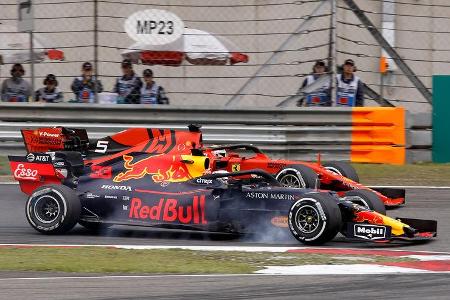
{"x":154,"y":27}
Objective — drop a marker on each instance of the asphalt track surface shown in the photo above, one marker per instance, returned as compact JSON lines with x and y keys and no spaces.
{"x":430,"y":286}
{"x":14,"y":228}
{"x":421,"y":203}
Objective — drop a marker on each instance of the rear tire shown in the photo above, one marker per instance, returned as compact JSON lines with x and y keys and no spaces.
{"x":298,"y":176}
{"x":315,"y":219}
{"x":53,"y":209}
{"x":368,"y":199}
{"x":342,"y":168}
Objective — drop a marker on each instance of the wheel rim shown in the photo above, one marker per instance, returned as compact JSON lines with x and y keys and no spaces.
{"x":334,"y":170}
{"x":292,"y":181}
{"x":46,"y":209}
{"x":307,"y":219}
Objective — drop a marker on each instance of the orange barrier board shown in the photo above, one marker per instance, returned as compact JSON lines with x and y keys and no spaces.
{"x":378,"y":135}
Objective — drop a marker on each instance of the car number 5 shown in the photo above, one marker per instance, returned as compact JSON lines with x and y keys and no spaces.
{"x":102,"y":146}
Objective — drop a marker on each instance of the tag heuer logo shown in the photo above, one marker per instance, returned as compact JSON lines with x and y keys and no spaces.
{"x":370,"y":232}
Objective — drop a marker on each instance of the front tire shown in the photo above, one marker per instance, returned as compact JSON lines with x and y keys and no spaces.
{"x":367,"y":199}
{"x":53,"y":209}
{"x":342,"y":168}
{"x":298,"y":176}
{"x":315,"y":219}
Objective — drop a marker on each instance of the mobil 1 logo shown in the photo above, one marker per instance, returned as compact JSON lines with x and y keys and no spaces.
{"x":371,"y":232}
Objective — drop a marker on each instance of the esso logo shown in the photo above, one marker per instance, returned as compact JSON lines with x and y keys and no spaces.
{"x":154,"y":27}
{"x":24,"y":173}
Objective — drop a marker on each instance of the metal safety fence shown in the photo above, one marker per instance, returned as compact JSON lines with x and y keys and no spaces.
{"x":359,"y":135}
{"x":396,"y":45}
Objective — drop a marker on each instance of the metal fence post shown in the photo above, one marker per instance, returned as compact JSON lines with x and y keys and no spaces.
{"x":332,"y":59}
{"x":31,"y":64}
{"x":95,"y":50}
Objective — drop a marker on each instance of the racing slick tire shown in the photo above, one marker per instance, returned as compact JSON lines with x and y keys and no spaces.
{"x":53,"y":209}
{"x":298,"y":176}
{"x":315,"y":219}
{"x":94,"y":226}
{"x":368,"y":199}
{"x":342,"y":168}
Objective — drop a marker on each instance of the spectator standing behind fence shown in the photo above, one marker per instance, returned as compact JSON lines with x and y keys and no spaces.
{"x":152,"y":93}
{"x":320,"y":96}
{"x":349,"y":87}
{"x":50,"y":92}
{"x":16,"y":89}
{"x":85,"y":86}
{"x":129,"y":85}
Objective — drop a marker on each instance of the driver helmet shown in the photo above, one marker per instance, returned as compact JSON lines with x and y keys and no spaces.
{"x":219,"y":153}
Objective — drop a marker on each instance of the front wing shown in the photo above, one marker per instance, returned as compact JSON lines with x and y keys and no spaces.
{"x":417,"y":230}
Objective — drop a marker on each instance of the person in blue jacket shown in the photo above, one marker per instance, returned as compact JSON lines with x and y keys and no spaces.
{"x":50,"y":92}
{"x":128,"y":86}
{"x":85,"y":86}
{"x":349,"y":87}
{"x":151,"y":92}
{"x":320,"y":96}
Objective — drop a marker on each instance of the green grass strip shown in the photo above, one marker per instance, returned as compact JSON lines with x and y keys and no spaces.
{"x":411,"y":174}
{"x":4,"y":166}
{"x":166,"y":261}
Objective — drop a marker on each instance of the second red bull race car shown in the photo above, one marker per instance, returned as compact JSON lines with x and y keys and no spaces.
{"x":160,"y":178}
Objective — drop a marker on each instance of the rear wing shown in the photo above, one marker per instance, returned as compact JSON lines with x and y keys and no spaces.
{"x":55,"y":139}
{"x":34,"y":170}
{"x":150,"y":140}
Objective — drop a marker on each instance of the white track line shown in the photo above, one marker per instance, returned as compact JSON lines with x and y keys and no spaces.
{"x":159,"y":247}
{"x":218,"y":248}
{"x":128,"y":276}
{"x":429,"y":257}
{"x":353,"y":269}
{"x":411,"y":187}
{"x":308,"y":270}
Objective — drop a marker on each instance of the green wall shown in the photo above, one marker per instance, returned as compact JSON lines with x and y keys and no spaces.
{"x":441,"y":118}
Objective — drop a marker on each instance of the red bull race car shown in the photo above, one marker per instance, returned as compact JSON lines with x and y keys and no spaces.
{"x":160,"y":178}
